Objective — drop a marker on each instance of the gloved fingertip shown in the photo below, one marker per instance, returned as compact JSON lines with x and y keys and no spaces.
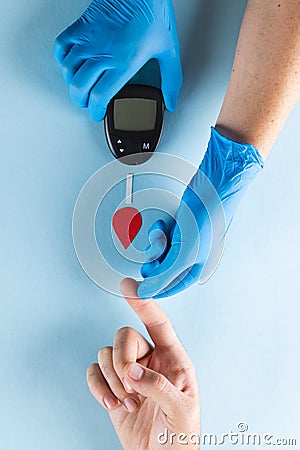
{"x":160,"y":224}
{"x":142,"y":292}
{"x":148,"y":268}
{"x":171,"y":102}
{"x":144,"y":272}
{"x":80,"y":103}
{"x":98,"y":115}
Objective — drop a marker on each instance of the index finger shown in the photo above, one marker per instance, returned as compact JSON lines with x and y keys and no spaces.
{"x":64,"y":42}
{"x":153,"y":317}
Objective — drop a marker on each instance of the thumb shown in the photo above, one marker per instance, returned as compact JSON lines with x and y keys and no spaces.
{"x":171,"y":77}
{"x":154,"y":385}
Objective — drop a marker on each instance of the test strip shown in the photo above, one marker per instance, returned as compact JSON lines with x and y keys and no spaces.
{"x":129,"y":188}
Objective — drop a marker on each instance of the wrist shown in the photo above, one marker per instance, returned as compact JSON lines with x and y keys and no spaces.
{"x":231,"y":133}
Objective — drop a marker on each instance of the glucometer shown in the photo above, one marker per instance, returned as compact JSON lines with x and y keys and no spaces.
{"x":134,"y":122}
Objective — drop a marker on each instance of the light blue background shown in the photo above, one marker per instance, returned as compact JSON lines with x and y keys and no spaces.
{"x":241,"y":329}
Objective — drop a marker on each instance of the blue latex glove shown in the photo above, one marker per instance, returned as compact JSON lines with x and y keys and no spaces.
{"x":111,"y":42}
{"x":177,"y":258}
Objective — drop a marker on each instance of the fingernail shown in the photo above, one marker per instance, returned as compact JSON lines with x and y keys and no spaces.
{"x":127,"y":386}
{"x":130,"y":404}
{"x":135,"y":371}
{"x":110,"y":402}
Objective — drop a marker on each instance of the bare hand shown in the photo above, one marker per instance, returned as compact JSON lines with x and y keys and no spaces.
{"x":147,"y":389}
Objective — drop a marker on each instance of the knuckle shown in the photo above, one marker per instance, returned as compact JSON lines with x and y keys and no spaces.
{"x":163,"y":322}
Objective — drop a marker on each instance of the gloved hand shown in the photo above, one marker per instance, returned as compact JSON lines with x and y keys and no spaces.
{"x":177,"y":257}
{"x":111,"y":42}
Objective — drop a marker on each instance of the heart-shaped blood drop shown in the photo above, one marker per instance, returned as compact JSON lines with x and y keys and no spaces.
{"x":127,"y":223}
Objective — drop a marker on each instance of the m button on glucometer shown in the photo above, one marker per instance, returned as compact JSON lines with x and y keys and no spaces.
{"x":146,"y":146}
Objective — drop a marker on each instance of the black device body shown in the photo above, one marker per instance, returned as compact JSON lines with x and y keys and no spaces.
{"x":133,"y":123}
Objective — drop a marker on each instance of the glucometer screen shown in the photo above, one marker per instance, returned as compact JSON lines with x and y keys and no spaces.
{"x":134,"y":114}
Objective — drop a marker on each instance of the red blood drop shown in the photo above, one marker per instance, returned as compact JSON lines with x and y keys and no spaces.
{"x":127,"y":223}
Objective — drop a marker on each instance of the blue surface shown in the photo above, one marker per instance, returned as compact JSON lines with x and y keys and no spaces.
{"x":241,"y":329}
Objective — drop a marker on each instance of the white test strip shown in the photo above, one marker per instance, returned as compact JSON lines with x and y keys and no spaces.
{"x":129,"y":188}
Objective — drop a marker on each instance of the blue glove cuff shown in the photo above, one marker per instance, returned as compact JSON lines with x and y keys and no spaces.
{"x":230,"y":164}
{"x":248,"y":151}
{"x":118,"y":11}
{"x":231,"y":167}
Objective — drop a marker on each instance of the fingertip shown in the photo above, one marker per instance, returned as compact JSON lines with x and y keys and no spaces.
{"x":91,"y":371}
{"x":160,"y":225}
{"x":97,"y":115}
{"x":170,"y":104}
{"x":129,"y":288}
{"x":171,"y":83}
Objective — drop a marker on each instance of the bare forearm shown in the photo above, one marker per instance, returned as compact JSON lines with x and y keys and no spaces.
{"x":265,"y":81}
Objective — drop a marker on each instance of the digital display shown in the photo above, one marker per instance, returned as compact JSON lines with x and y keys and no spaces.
{"x":134,"y":114}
